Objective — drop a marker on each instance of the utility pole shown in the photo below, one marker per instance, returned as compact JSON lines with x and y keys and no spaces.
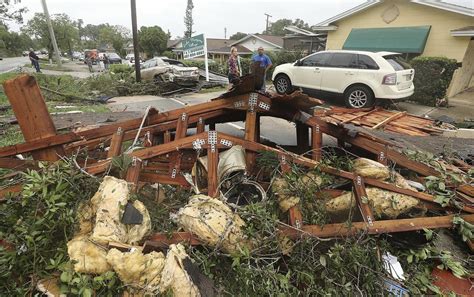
{"x":138,"y":76}
{"x":51,"y":33}
{"x":225,"y":33}
{"x":268,"y":22}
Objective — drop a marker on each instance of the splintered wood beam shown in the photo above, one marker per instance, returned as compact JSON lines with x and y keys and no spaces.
{"x":17,"y":164}
{"x":389,"y":119}
{"x":374,"y":146}
{"x":316,"y":140}
{"x":150,"y":152}
{"x":302,"y":135}
{"x":250,"y":135}
{"x":133,"y":173}
{"x":32,"y":114}
{"x":362,"y":200}
{"x":335,"y":230}
{"x":115,"y":144}
{"x":212,"y":177}
{"x":379,"y":227}
{"x":175,"y":159}
{"x":38,"y":144}
{"x":201,"y":126}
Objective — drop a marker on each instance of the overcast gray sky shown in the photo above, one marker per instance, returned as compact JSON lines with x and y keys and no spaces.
{"x":210,"y":16}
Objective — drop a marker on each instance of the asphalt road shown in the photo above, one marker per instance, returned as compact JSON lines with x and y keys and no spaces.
{"x":9,"y":64}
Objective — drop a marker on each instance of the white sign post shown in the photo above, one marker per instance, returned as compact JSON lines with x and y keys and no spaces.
{"x":196,"y":46}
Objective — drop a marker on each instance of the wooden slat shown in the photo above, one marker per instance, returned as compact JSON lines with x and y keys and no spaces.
{"x":385,"y":226}
{"x":11,"y":189}
{"x":363,"y":114}
{"x":32,"y":114}
{"x":389,"y":119}
{"x":149,"y":177}
{"x":115,"y":144}
{"x":250,"y":135}
{"x":316,"y":140}
{"x":302,"y":135}
{"x":362,"y":200}
{"x":133,"y":173}
{"x":212,"y":177}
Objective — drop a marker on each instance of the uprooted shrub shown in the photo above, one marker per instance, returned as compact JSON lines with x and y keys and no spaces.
{"x":432,"y":78}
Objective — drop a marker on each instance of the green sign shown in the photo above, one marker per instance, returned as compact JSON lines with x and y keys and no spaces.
{"x":193,"y":46}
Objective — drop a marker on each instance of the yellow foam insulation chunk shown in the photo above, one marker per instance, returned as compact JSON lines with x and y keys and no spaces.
{"x":102,"y":215}
{"x":174,"y":276}
{"x":89,"y":257}
{"x":286,"y":199}
{"x":140,"y":271}
{"x":213,"y":222}
{"x":383,"y":203}
{"x":371,"y":169}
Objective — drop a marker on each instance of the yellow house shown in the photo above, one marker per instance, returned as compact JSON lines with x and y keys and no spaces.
{"x":412,"y":27}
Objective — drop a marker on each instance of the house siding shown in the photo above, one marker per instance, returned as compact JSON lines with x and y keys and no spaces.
{"x":253,"y":44}
{"x":463,"y":77}
{"x":439,"y":43}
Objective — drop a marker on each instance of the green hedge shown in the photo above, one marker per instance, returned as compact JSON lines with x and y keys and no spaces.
{"x":432,"y":78}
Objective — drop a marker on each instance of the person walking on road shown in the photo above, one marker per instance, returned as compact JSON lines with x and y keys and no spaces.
{"x":34,"y":60}
{"x":265,"y":62}
{"x":234,"y":69}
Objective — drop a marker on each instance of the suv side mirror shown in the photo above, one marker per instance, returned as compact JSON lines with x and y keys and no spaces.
{"x":298,"y":63}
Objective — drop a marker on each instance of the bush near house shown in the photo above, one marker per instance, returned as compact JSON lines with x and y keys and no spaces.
{"x":432,"y":78}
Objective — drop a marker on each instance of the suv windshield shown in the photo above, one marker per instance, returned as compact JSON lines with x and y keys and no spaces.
{"x":397,"y":62}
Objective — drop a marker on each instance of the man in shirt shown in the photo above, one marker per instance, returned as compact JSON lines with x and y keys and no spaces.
{"x":34,"y":60}
{"x":265,"y":62}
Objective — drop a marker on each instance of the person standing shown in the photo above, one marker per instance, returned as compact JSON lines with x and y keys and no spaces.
{"x":264,"y":61}
{"x":34,"y":60}
{"x":89,"y":62}
{"x":106,"y":61}
{"x":234,"y":69}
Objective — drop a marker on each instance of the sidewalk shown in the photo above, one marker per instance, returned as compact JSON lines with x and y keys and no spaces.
{"x":461,"y":108}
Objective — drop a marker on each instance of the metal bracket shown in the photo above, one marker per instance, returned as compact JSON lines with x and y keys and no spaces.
{"x":183,"y":117}
{"x":212,"y":140}
{"x":173,"y":173}
{"x":298,"y":224}
{"x":264,"y":105}
{"x":369,"y":221}
{"x":253,"y":101}
{"x":239,"y":104}
{"x":119,"y":131}
{"x":317,"y":129}
{"x":200,"y":121}
{"x":226,"y":142}
{"x":198,"y":143}
{"x":359,"y":181}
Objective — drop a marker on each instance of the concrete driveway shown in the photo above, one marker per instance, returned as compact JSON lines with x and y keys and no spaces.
{"x":461,"y":108}
{"x":10,"y":64}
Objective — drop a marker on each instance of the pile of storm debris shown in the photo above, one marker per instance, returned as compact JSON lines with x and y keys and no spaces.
{"x":167,"y":204}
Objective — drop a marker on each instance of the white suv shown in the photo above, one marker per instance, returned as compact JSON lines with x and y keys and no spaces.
{"x":358,"y":75}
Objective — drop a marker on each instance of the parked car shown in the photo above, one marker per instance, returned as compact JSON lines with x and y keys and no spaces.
{"x":158,"y":70}
{"x":359,"y":76}
{"x":114,"y":58}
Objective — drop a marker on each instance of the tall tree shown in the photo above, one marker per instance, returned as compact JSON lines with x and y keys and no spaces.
{"x":188,"y":19}
{"x":152,"y":40}
{"x":9,"y":12}
{"x":65,"y":30}
{"x":238,"y":36}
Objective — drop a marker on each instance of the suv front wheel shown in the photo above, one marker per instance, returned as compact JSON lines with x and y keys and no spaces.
{"x":283,"y":84}
{"x":359,"y":97}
